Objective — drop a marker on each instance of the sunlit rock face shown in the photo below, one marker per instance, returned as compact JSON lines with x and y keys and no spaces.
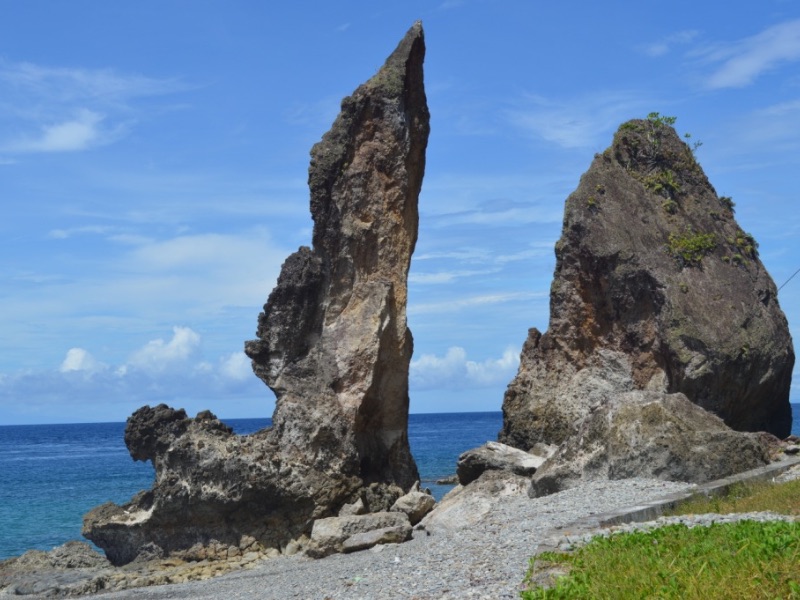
{"x":334,"y":346}
{"x":333,"y":342}
{"x":656,"y":288}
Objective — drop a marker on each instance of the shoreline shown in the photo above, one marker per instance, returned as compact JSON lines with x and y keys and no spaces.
{"x":485,"y":555}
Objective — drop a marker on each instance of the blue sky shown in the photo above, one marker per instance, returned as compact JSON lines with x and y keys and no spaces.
{"x":153,"y":161}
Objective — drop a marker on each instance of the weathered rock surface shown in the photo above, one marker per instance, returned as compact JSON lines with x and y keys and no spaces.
{"x":656,"y":288}
{"x":333,"y":344}
{"x":464,"y":506}
{"x":75,"y":569}
{"x":494,"y":456}
{"x":357,"y":532}
{"x":650,"y":435}
{"x":415,"y":504}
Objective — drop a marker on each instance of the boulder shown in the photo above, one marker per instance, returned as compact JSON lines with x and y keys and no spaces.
{"x":415,"y":504}
{"x":500,"y":457}
{"x":656,"y":288}
{"x":332,"y":344}
{"x":465,"y":506}
{"x":652,"y":435}
{"x":357,"y":532}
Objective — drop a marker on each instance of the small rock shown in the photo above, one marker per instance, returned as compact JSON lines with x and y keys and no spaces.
{"x":328,"y":535}
{"x":415,"y":504}
{"x":368,"y":539}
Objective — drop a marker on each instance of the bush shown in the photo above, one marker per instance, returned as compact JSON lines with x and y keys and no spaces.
{"x":690,"y":248}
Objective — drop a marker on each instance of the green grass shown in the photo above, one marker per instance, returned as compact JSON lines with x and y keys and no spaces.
{"x":781,"y":498}
{"x":746,"y":559}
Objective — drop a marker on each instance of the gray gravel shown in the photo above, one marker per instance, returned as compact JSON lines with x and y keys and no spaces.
{"x":487,"y":560}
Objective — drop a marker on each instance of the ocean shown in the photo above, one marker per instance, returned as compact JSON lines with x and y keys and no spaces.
{"x":51,"y":475}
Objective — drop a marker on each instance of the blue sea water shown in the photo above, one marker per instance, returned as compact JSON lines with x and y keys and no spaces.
{"x":51,"y":475}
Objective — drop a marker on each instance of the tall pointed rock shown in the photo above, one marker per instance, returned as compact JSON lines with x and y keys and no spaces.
{"x":656,"y":288}
{"x":334,"y":346}
{"x":333,"y":343}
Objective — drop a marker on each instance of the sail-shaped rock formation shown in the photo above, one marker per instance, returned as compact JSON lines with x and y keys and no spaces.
{"x":333,"y":341}
{"x":656,"y":289}
{"x":333,"y":344}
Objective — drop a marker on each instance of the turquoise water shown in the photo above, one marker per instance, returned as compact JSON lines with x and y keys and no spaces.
{"x":51,"y":475}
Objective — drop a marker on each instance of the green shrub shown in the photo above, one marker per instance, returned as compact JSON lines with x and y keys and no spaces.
{"x":690,"y":248}
{"x":727,"y":202}
{"x":662,"y":182}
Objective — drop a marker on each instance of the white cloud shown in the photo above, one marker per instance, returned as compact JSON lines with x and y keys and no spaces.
{"x":78,"y":359}
{"x":63,"y":84}
{"x":157,"y":355}
{"x":470,"y":301}
{"x":666,"y":44}
{"x":68,"y":109}
{"x":236,"y":367}
{"x":742,"y":62}
{"x":455,"y":370}
{"x":78,"y":133}
{"x":577,"y":122}
{"x":172,"y":371}
{"x":63,"y":234}
{"x":494,"y":370}
{"x":444,"y":276}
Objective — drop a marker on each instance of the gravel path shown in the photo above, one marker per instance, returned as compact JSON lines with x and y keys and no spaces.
{"x":487,"y":560}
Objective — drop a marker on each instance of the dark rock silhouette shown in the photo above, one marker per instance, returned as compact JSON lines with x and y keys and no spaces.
{"x":332,"y":344}
{"x":656,"y":288}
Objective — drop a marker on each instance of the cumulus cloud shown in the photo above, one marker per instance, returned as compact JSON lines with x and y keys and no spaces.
{"x":740,"y":63}
{"x":158,"y":356}
{"x":78,"y":359}
{"x":455,"y":370}
{"x":162,"y":370}
{"x":236,"y":367}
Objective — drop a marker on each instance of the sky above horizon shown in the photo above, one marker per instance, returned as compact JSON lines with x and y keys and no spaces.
{"x":154,"y":155}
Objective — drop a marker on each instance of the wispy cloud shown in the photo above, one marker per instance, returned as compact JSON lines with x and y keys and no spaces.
{"x":668,"y":43}
{"x":80,"y":132}
{"x":446,"y":276}
{"x":740,"y":63}
{"x":471,"y":301}
{"x":57,"y":109}
{"x":580,"y":122}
